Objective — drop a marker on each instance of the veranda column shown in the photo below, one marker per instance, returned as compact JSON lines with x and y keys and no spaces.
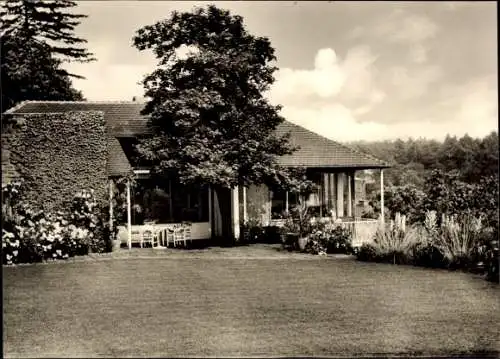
{"x":111,"y":205}
{"x":349,"y":195}
{"x":353,"y":186}
{"x":245,"y":213}
{"x":326,"y":194}
{"x":382,"y":195}
{"x":340,"y":195}
{"x":331,"y":182}
{"x":210,"y":219}
{"x":129,"y":216}
{"x":235,"y":212}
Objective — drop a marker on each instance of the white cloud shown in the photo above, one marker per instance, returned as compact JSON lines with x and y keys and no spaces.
{"x":331,"y":77}
{"x":327,"y":108}
{"x":404,"y":27}
{"x":418,"y":53}
{"x":325,"y":80}
{"x":412,"y":83}
{"x":109,"y":81}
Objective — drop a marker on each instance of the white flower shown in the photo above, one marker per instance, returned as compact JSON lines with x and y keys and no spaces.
{"x":15,"y":253}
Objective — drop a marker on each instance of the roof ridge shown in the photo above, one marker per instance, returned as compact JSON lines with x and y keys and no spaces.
{"x":16,"y":107}
{"x":366,"y":155}
{"x":83,"y":102}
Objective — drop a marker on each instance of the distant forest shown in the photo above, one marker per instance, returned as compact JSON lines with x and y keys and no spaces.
{"x":414,"y":159}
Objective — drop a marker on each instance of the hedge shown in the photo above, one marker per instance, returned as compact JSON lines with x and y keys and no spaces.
{"x":57,"y":155}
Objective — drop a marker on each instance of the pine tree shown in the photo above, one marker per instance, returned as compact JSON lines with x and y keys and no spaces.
{"x":48,"y":22}
{"x":29,"y":72}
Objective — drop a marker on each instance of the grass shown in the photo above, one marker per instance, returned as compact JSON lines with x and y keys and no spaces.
{"x":247,"y":301}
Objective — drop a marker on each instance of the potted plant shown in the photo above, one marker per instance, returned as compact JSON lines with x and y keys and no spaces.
{"x":297,"y":226}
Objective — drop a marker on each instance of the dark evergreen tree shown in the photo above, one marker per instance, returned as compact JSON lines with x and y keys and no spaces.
{"x":36,"y":37}
{"x":49,"y":22}
{"x":29,"y":72}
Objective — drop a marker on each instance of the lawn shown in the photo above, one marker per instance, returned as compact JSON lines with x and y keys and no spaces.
{"x":234,"y":302}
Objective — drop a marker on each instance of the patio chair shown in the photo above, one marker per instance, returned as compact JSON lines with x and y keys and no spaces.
{"x":149,"y":235}
{"x":187,"y":235}
{"x":167,"y":236}
{"x":178,"y":235}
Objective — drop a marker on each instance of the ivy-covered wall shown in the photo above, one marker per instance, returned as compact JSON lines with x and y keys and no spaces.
{"x":56,"y":155}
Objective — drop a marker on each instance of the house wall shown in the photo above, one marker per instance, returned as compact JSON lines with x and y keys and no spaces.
{"x":258,"y":204}
{"x":56,"y":155}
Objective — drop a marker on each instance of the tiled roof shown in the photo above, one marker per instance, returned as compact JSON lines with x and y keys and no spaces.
{"x":125,"y":120}
{"x":122,"y":118}
{"x":118,"y":163}
{"x":318,"y":151}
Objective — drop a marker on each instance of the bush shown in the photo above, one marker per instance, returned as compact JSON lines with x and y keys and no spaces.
{"x":325,"y":240}
{"x":33,"y":235}
{"x":459,"y":241}
{"x":367,"y":253}
{"x":340,"y":241}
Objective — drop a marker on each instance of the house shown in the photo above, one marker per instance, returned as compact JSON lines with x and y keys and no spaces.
{"x":331,"y":165}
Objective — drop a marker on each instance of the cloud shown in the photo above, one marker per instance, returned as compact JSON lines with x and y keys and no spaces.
{"x":350,"y":79}
{"x":105,"y":80}
{"x":341,"y":106}
{"x":418,"y":53}
{"x":409,"y":83}
{"x":325,"y":80}
{"x":403,"y":27}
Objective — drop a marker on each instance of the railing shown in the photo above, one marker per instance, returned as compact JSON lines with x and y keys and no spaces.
{"x":363,"y":230}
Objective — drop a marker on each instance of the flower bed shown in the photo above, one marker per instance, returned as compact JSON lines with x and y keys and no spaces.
{"x":30,"y":235}
{"x":459,"y":242}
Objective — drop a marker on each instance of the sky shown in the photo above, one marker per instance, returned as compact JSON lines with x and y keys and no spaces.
{"x":347,"y":70}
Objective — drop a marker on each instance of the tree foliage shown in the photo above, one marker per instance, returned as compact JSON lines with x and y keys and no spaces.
{"x":211,"y":123}
{"x":29,"y":72}
{"x":47,"y":21}
{"x":413,"y":160}
{"x":36,"y":37}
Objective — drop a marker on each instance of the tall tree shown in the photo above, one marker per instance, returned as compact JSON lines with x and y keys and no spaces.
{"x":49,"y":22}
{"x":36,"y":37}
{"x":212,"y":122}
{"x":29,"y":72}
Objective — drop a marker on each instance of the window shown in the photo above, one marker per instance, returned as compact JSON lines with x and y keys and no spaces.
{"x":281,"y":201}
{"x":168,"y":202}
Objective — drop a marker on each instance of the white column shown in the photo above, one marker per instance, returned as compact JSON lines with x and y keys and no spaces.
{"x":320,"y":199}
{"x":325,"y":193}
{"x":286,"y":202}
{"x":245,"y":213}
{"x":349,"y":196}
{"x":353,"y":186}
{"x":331,"y":182}
{"x":210,"y":219}
{"x":111,"y":205}
{"x":340,"y":195}
{"x":129,"y":216}
{"x":382,"y":195}
{"x":235,"y":212}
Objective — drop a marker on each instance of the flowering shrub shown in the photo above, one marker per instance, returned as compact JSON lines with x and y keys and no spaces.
{"x":325,"y":240}
{"x":34,"y":235}
{"x":10,"y":247}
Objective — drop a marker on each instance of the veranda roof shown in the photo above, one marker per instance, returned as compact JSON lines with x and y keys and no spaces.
{"x":124,"y":119}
